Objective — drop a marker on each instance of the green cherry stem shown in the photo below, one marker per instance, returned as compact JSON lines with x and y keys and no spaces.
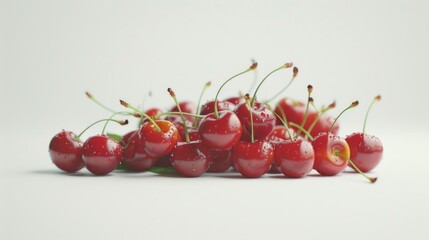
{"x":122,"y":122}
{"x":111,"y":117}
{"x":252,"y":134}
{"x":354,"y":104}
{"x":173,"y":95}
{"x":310,"y":100}
{"x":255,"y":79}
{"x":92,"y":98}
{"x":143,"y":114}
{"x":307,"y":133}
{"x":206,"y":86}
{"x":286,"y":65}
{"x":371,"y":179}
{"x":295,"y":73}
{"x":319,"y":115}
{"x":284,"y":122}
{"x":376,"y":99}
{"x":216,"y":113}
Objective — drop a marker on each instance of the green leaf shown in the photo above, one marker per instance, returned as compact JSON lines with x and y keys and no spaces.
{"x":117,"y":137}
{"x":162,"y":170}
{"x":121,"y":167}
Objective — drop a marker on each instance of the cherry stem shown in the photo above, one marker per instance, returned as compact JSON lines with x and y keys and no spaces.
{"x":376,"y":99}
{"x":307,"y":134}
{"x":354,"y":104}
{"x":295,"y":73}
{"x":284,"y":122}
{"x":371,"y":179}
{"x":91,"y":97}
{"x":206,"y":86}
{"x":122,"y":122}
{"x":216,"y":113}
{"x":309,"y":100}
{"x":255,"y":79}
{"x":319,"y":115}
{"x":177,"y":113}
{"x":252,"y":103}
{"x":143,"y":114}
{"x":252,"y":133}
{"x":173,"y":95}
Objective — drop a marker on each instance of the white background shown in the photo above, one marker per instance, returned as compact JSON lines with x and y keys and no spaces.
{"x":51,"y":52}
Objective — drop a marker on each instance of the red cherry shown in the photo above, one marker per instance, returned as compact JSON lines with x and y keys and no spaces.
{"x":187,"y":107}
{"x":264,"y":120}
{"x":221,"y":106}
{"x":331,"y":154}
{"x":220,"y":133}
{"x":135,"y":157}
{"x":151,"y":112}
{"x":252,"y":159}
{"x":160,"y":139}
{"x":221,"y":161}
{"x":366,"y":151}
{"x":191,"y":159}
{"x":322,"y":125}
{"x":101,"y":154}
{"x":294,"y":158}
{"x":66,"y":152}
{"x":235,"y":100}
{"x":279,"y":134}
{"x":293,"y":110}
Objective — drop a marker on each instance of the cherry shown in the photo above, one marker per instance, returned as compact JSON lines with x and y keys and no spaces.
{"x":252,"y":159}
{"x":221,"y":106}
{"x":135,"y":157}
{"x":221,"y":130}
{"x":187,"y":107}
{"x":366,"y":150}
{"x":190,"y":158}
{"x":235,"y":100}
{"x":157,"y":137}
{"x":221,"y":161}
{"x":101,"y":154}
{"x":263,"y":118}
{"x":331,"y":151}
{"x":65,"y":150}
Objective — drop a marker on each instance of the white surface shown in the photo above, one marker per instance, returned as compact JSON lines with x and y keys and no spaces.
{"x":51,"y":52}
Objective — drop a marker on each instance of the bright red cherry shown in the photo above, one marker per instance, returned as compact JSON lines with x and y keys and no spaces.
{"x":158,"y":138}
{"x":252,"y":159}
{"x":220,"y":133}
{"x":66,"y":152}
{"x":366,"y":150}
{"x":278,"y":135}
{"x":235,"y":100}
{"x":187,"y":107}
{"x":191,"y":159}
{"x":135,"y":157}
{"x":294,"y":158}
{"x":331,"y":154}
{"x":101,"y":154}
{"x":221,"y":106}
{"x":264,"y":120}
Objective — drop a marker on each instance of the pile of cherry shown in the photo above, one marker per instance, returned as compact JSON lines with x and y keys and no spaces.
{"x":239,"y":133}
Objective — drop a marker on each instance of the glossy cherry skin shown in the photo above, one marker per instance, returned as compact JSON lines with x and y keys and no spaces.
{"x":293,"y":110}
{"x":135,"y":157}
{"x":221,"y":161}
{"x":191,"y":159}
{"x":221,"y":106}
{"x":186,"y":107}
{"x":264,"y":120}
{"x":151,"y":112}
{"x":220,"y":133}
{"x":366,"y":151}
{"x":66,"y":152}
{"x":278,"y":135}
{"x":158,"y":143}
{"x":294,"y":158}
{"x":252,"y":160}
{"x":323,"y":124}
{"x":235,"y":100}
{"x":101,"y":154}
{"x":326,"y":161}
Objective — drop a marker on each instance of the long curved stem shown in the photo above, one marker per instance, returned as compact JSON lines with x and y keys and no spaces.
{"x":252,"y":103}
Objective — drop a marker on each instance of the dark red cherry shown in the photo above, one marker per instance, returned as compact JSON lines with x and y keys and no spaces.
{"x":191,"y":159}
{"x":252,"y":159}
{"x":221,"y":161}
{"x":220,"y":133}
{"x":294,"y":158}
{"x":331,"y":153}
{"x":101,"y":154}
{"x":366,"y":150}
{"x":135,"y":157}
{"x":158,"y":141}
{"x":235,"y":100}
{"x":221,"y":106}
{"x":264,"y":120}
{"x":66,"y":152}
